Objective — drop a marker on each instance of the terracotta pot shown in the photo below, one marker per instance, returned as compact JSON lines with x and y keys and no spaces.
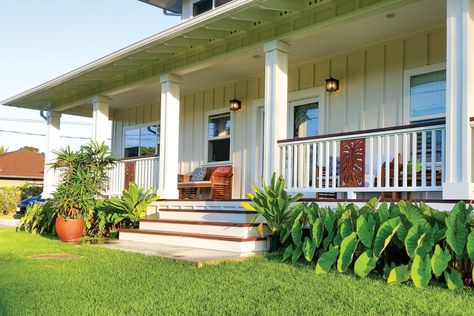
{"x":69,"y":229}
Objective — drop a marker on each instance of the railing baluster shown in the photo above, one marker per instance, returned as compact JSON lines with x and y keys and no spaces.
{"x":334,"y":163}
{"x":423,"y":159}
{"x":405,"y":160}
{"x":413,"y":159}
{"x":433,"y":158}
{"x":371,"y":162}
{"x":283,"y":161}
{"x":296,"y":166}
{"x":379,"y":161}
{"x":326,"y":164}
{"x":443,"y":156}
{"x":313,"y":169}
{"x":395,"y":160}
{"x":387,"y":161}
{"x":320,"y":165}
{"x":289,"y":176}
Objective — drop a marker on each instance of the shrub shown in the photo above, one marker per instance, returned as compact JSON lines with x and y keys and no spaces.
{"x":9,"y":198}
{"x":29,"y":190}
{"x":38,"y":219}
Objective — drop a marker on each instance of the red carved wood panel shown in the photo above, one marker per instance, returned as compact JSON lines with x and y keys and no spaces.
{"x":352,"y":155}
{"x":129,"y":173}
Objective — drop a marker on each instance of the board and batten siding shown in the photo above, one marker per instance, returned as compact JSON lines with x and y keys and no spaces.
{"x":370,"y":96}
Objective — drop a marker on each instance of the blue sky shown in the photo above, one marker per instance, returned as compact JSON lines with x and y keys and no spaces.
{"x":40,"y":40}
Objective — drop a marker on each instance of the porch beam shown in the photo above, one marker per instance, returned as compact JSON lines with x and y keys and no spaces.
{"x":169,"y":136}
{"x":459,"y":100}
{"x":284,"y":5}
{"x":100,"y":119}
{"x":275,"y":104}
{"x":52,"y":144}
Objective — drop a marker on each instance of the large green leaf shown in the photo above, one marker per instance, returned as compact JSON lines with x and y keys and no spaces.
{"x":453,"y":280}
{"x":317,"y":232}
{"x":419,"y":240}
{"x":439,"y":261}
{"x":470,"y":245}
{"x":421,"y":271}
{"x":399,"y":274}
{"x":297,"y":233}
{"x":456,"y":235}
{"x":326,"y":260}
{"x":308,"y":249}
{"x":365,"y":230}
{"x":296,"y":254}
{"x":288,"y":252}
{"x":346,"y":228}
{"x":412,"y":213}
{"x":348,"y":247}
{"x":365,"y":263}
{"x":385,"y":235}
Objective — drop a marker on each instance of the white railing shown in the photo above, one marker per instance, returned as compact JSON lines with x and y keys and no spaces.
{"x":143,"y":171}
{"x":401,"y":159}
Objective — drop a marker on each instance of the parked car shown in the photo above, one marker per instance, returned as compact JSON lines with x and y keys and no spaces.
{"x":21,"y":207}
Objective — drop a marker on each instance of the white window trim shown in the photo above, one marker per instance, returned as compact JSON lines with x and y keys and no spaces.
{"x":192,"y":7}
{"x":307,"y":96}
{"x":205,"y":161}
{"x":407,"y":119}
{"x":127,"y":128}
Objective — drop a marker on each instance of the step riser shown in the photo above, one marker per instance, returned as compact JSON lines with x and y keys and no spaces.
{"x":224,"y":245}
{"x":210,"y":217}
{"x":240,"y":232}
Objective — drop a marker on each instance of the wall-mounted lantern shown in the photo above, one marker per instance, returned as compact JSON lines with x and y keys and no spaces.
{"x":235,"y":105}
{"x":332,"y":85}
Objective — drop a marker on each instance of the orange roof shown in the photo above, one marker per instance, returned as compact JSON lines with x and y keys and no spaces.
{"x":22,"y":164}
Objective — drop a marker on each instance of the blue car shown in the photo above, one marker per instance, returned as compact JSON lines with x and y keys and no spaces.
{"x":21,"y":207}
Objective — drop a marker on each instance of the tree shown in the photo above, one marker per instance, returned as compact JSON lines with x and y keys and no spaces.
{"x":3,"y":150}
{"x":34,"y":149}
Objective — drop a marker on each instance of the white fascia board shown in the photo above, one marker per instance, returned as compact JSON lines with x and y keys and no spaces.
{"x":167,"y":34}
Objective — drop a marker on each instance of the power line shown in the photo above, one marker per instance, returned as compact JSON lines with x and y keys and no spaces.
{"x":37,"y":134}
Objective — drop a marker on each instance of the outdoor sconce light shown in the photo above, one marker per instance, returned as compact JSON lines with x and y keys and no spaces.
{"x":235,"y":104}
{"x":332,"y":85}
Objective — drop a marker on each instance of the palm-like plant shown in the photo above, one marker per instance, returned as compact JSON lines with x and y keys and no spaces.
{"x":3,"y":150}
{"x":84,"y":178}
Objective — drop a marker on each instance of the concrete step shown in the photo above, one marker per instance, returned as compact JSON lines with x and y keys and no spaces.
{"x":205,"y":241}
{"x":198,"y":215}
{"x":240,"y":230}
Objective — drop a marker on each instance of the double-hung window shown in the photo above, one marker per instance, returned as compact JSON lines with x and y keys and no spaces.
{"x":202,"y":6}
{"x":218,"y":137}
{"x":141,"y":141}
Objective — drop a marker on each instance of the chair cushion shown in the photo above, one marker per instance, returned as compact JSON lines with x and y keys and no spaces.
{"x":198,"y":174}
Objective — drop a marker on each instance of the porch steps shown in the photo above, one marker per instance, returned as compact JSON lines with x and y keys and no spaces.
{"x":216,"y":227}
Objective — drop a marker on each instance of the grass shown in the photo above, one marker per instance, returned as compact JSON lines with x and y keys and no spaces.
{"x":111,"y":282}
{"x":7,"y":216}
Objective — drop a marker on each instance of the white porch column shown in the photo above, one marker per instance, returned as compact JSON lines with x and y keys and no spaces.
{"x":276,"y":104}
{"x":52,"y":143}
{"x":101,"y":131}
{"x":459,"y":100}
{"x":169,"y":137}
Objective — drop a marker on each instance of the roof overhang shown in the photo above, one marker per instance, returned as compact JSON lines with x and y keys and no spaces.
{"x":230,"y":28}
{"x":175,"y":6}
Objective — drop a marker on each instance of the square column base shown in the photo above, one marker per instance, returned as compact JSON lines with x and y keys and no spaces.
{"x":458,"y":191}
{"x":168,"y":194}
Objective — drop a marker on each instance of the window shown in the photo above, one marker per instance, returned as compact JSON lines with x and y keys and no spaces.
{"x":428,"y":95}
{"x":218,"y":137}
{"x":202,"y":6}
{"x":141,"y":141}
{"x":305,"y":120}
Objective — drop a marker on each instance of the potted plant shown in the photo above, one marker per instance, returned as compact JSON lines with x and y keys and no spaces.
{"x":83,"y":179}
{"x":273,"y":204}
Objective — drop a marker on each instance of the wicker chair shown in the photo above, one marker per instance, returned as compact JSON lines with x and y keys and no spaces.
{"x":218,"y":179}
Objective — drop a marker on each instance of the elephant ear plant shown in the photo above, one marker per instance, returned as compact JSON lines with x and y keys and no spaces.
{"x":83,"y":179}
{"x":275,"y":205}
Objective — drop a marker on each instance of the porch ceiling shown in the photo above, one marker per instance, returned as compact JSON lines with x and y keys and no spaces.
{"x":236,"y":30}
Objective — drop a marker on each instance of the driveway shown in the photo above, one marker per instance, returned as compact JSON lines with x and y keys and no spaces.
{"x":9,"y":222}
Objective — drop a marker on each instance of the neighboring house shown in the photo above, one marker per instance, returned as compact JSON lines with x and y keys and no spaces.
{"x":356,"y":97}
{"x":20,"y":167}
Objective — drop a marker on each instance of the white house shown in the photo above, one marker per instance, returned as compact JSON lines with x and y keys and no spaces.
{"x":399,"y":121}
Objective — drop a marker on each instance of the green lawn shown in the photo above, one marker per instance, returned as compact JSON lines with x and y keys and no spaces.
{"x":8,"y":216}
{"x":110,"y":282}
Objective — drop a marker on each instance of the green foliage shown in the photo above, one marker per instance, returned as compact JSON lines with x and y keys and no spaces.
{"x":272,"y":203}
{"x":421,"y":271}
{"x":385,"y":234}
{"x":454,"y":280}
{"x":439,"y":261}
{"x":38,"y":219}
{"x":365,"y":263}
{"x":28,"y":190}
{"x":457,"y":228}
{"x":9,"y":198}
{"x":399,"y":274}
{"x":327,"y":259}
{"x":84,"y":178}
{"x":348,"y":246}
{"x":366,"y":229}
